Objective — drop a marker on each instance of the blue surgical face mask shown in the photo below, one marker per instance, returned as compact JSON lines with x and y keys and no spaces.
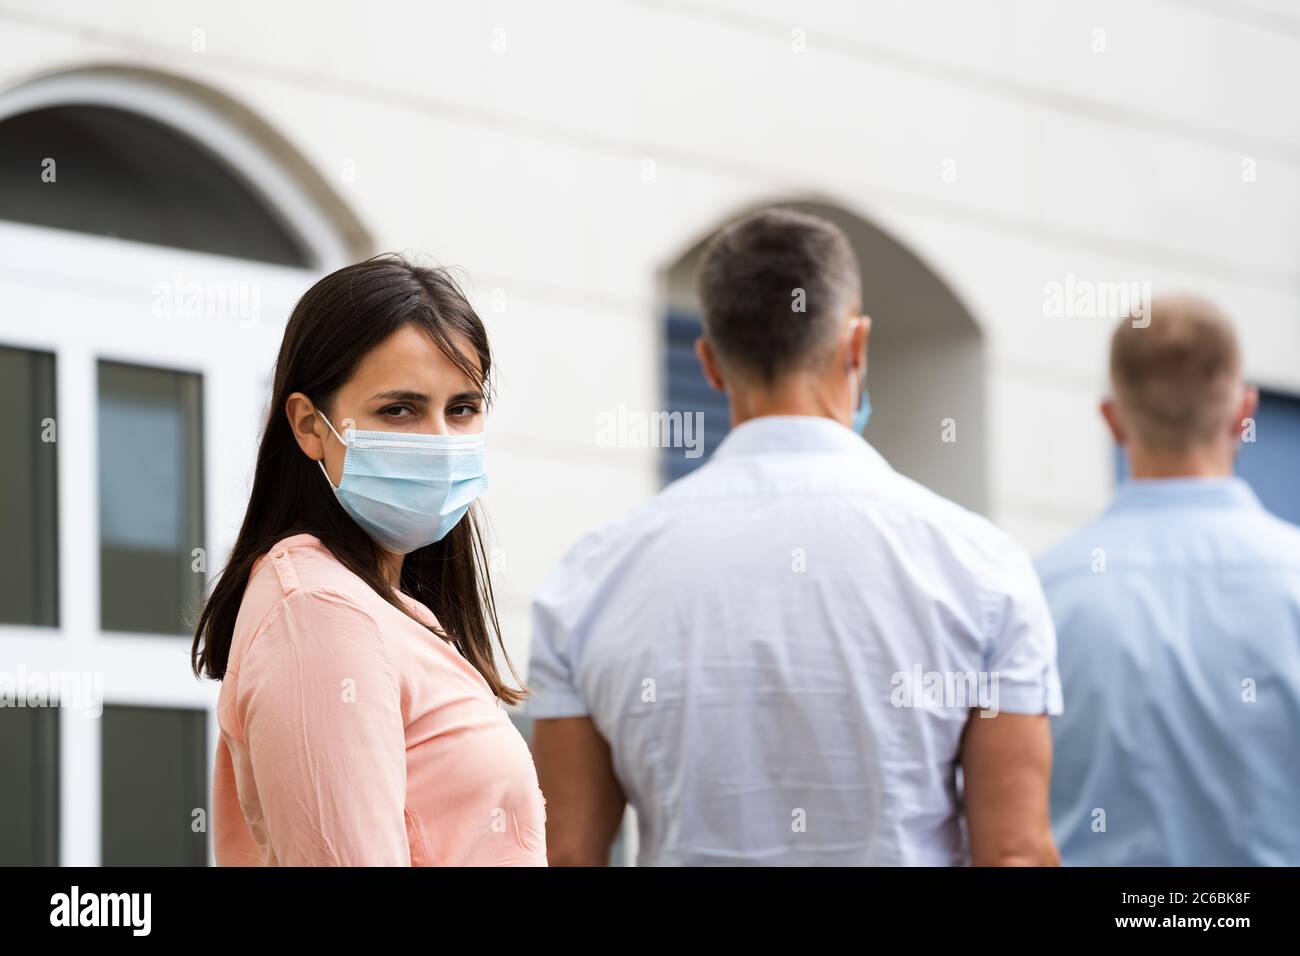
{"x":863,"y":413}
{"x":408,"y":491}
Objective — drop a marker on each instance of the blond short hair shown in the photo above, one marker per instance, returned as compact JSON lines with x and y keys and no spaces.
{"x":1176,"y":378}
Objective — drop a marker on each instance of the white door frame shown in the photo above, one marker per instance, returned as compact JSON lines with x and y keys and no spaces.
{"x":86,"y":298}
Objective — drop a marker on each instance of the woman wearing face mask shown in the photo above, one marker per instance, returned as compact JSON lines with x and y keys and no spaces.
{"x":353,"y":628}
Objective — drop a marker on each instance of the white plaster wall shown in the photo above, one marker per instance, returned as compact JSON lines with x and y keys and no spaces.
{"x":514,"y":139}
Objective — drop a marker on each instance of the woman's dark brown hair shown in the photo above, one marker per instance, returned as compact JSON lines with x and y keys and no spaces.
{"x":334,"y":324}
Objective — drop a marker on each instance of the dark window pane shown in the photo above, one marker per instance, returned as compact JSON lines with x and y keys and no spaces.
{"x":689,"y":393}
{"x":150,"y":498}
{"x":29,"y":786}
{"x":28,"y":490}
{"x":120,"y":174}
{"x":154,"y":769}
{"x":1271,"y":463}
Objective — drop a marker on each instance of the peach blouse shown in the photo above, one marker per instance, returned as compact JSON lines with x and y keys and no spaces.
{"x":352,"y":735}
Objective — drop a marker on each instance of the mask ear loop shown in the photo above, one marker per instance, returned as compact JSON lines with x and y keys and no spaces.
{"x":321,"y":461}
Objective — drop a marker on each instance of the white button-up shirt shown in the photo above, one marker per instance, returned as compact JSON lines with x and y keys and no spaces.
{"x":782,"y":650}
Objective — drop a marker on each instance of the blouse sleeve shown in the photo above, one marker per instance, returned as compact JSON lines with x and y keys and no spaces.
{"x":323,"y":726}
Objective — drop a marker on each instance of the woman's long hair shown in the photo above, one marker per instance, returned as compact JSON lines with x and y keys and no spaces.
{"x":334,"y":324}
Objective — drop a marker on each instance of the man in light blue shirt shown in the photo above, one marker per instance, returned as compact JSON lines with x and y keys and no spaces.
{"x":1178,"y":615}
{"x":787,"y":656}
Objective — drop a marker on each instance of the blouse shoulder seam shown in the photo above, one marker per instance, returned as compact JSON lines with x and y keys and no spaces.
{"x":334,"y":596}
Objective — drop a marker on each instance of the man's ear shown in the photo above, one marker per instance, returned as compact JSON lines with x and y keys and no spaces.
{"x":1110,"y":412}
{"x":859,"y":332}
{"x":304,"y":422}
{"x":1249,"y":405}
{"x":709,"y":364}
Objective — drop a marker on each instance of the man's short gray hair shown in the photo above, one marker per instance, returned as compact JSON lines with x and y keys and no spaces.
{"x":775,"y":287}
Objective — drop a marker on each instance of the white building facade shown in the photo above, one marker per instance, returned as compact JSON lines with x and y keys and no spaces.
{"x":1008,"y":171}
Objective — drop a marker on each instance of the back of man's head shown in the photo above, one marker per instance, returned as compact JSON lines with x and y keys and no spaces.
{"x":776,"y":287}
{"x":1177,"y":379}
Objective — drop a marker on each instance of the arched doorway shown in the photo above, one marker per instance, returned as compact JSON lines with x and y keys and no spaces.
{"x":155,"y":237}
{"x":925,"y":364}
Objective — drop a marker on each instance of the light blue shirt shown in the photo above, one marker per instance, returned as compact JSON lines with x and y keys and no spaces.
{"x":1178,"y":615}
{"x":758,"y":644}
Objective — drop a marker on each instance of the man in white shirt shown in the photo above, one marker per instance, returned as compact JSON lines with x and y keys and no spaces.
{"x":787,"y":656}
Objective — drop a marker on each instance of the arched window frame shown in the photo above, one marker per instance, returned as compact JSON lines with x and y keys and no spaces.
{"x":207,"y":125}
{"x":87,"y":299}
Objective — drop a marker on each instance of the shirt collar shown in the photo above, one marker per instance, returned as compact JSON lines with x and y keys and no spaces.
{"x":794,"y":435}
{"x":1152,"y":493}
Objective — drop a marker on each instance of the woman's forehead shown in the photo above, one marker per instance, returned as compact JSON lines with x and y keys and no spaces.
{"x":412,"y":356}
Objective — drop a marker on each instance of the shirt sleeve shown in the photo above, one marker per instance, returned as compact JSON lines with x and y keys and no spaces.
{"x":322,"y":720}
{"x":551,"y":668}
{"x":1021,"y":655}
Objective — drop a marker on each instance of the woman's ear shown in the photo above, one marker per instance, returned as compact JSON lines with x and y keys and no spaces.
{"x":305,"y":425}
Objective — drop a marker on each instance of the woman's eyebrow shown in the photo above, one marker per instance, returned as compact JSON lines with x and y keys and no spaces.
{"x":401,"y":395}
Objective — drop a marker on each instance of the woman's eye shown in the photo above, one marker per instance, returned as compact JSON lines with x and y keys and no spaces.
{"x":397,"y":411}
{"x":463,"y":410}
